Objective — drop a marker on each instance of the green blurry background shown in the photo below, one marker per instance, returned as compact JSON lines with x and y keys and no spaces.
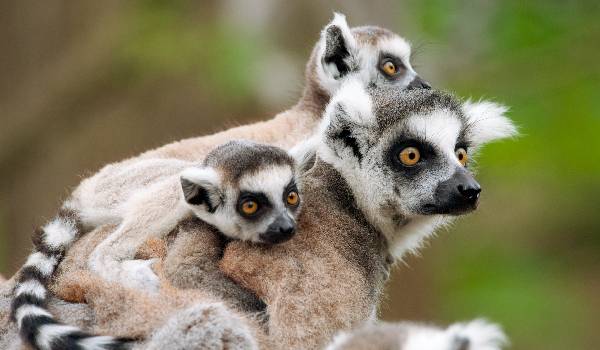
{"x":84,"y":83}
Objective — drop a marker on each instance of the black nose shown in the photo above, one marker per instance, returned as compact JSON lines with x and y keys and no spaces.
{"x":280,"y":230}
{"x":470,"y":191}
{"x":418,"y":83}
{"x":457,"y":195}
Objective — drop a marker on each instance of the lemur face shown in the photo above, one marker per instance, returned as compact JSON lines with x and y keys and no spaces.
{"x":246,"y":190}
{"x":406,"y":154}
{"x":372,"y":54}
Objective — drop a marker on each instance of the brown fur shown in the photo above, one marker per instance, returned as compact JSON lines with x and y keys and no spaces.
{"x":328,"y":278}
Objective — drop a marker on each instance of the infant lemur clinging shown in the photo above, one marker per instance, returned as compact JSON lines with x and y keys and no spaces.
{"x":248,"y":191}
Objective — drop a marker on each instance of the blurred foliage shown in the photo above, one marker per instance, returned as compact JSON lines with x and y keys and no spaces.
{"x":528,"y":259}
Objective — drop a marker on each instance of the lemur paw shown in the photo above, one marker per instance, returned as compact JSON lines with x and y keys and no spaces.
{"x":203,"y":326}
{"x":138,"y":274}
{"x":477,"y":335}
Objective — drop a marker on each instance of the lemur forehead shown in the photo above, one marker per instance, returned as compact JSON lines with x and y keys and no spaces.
{"x":371,"y":35}
{"x":392,"y":105}
{"x":235,"y":159}
{"x":383,"y":39}
{"x":271,"y":180}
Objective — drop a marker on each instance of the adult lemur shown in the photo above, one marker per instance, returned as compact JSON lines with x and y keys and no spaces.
{"x":390,"y":166}
{"x":373,"y":54}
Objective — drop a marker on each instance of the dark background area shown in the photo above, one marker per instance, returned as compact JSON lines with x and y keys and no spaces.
{"x":84,"y":83}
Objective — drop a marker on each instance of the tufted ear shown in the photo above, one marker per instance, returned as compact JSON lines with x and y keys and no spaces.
{"x":347,"y":115}
{"x":337,"y":47}
{"x":487,"y":122}
{"x":201,"y":186}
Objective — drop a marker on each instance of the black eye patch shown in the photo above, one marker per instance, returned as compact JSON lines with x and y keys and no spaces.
{"x":345,"y":135}
{"x":426,"y":150}
{"x":260,"y":198}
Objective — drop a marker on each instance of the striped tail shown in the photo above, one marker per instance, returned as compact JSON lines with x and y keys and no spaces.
{"x":29,"y":307}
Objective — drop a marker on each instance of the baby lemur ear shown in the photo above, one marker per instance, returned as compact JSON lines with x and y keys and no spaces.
{"x":486,"y":122}
{"x":337,"y":48}
{"x":202,"y":186}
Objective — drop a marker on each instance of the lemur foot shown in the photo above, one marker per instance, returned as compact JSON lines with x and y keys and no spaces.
{"x":205,"y":326}
{"x":138,"y":274}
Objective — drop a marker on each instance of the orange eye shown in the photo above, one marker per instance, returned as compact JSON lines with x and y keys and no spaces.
{"x":389,"y":68}
{"x":462,"y":156}
{"x":249,"y":207}
{"x":409,"y":156}
{"x":293,"y":198}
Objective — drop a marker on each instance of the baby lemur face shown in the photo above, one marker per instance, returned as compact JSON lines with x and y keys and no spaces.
{"x":406,"y":154}
{"x":372,"y":54}
{"x":246,"y":190}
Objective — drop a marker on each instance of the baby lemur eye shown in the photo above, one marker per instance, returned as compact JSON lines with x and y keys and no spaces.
{"x":293,"y":198}
{"x":249,"y":207}
{"x":462,"y":156}
{"x":409,"y":156}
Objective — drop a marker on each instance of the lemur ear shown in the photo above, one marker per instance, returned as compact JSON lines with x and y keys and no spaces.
{"x":201,"y":186}
{"x":487,"y":122}
{"x":337,"y":47}
{"x":347,"y":116}
{"x":351,"y":104}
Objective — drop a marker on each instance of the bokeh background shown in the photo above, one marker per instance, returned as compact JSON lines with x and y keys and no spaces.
{"x":84,"y":83}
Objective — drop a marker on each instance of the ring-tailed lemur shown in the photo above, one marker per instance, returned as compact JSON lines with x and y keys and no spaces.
{"x":390,"y":167}
{"x":248,"y":191}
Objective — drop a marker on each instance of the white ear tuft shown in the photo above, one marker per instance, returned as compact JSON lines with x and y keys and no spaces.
{"x":354,"y":100}
{"x":201,"y":186}
{"x":487,"y":122}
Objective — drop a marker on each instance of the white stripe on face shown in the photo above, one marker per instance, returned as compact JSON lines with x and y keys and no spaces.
{"x":271,"y":181}
{"x":441,"y":128}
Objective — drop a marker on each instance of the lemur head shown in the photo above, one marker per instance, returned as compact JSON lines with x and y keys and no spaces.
{"x":372,"y":54}
{"x":246,"y":190}
{"x":406,"y":154}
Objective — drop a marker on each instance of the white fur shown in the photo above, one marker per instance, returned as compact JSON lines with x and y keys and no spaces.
{"x":339,"y":339}
{"x":31,"y":287}
{"x":96,"y":343}
{"x":29,"y":310}
{"x":412,"y":236}
{"x":49,"y":332}
{"x":59,"y":233}
{"x":204,"y":175}
{"x":487,"y":122}
{"x":45,"y":264}
{"x":482,"y":334}
{"x":355,"y":101}
{"x":428,"y":338}
{"x":441,"y":128}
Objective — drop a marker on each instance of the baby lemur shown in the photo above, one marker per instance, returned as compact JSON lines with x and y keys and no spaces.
{"x":248,"y":191}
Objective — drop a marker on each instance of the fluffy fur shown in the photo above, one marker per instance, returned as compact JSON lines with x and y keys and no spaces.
{"x":210,"y":192}
{"x":341,"y":252}
{"x":474,"y":335}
